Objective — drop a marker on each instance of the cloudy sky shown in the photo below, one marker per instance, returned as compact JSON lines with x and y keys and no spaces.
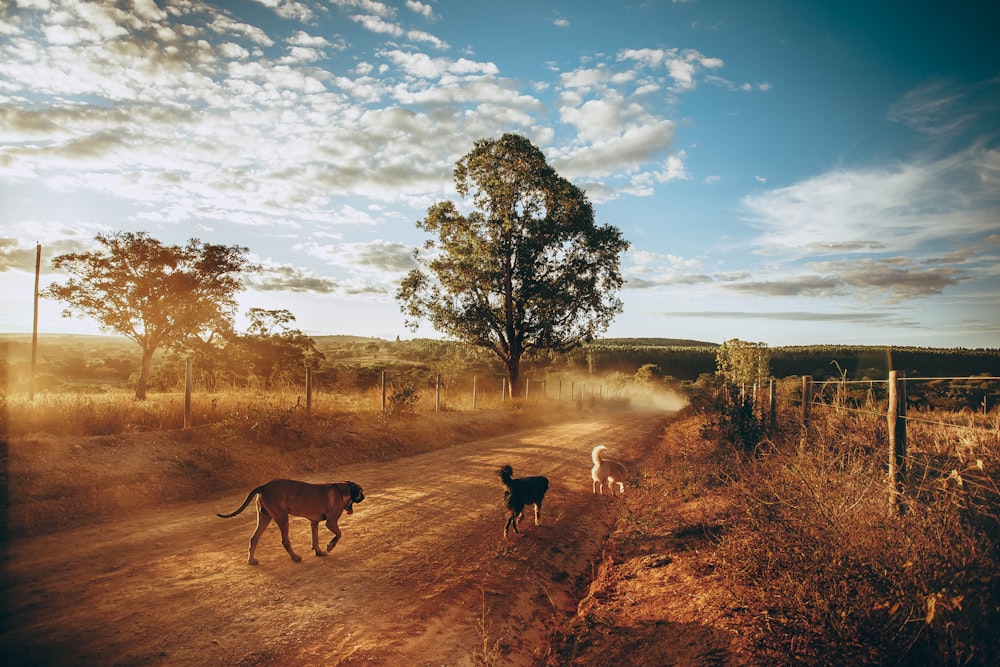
{"x":787,"y":172}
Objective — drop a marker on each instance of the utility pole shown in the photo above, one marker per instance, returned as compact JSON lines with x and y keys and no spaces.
{"x":34,"y":328}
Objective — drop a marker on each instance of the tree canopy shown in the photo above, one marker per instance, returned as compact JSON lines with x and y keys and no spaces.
{"x":157,"y":295}
{"x":743,"y":363}
{"x":271,"y":347}
{"x":527,"y":269}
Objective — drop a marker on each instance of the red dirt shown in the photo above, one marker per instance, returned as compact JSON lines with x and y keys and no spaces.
{"x":421,"y":576}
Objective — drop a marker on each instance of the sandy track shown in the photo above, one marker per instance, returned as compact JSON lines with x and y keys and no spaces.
{"x":421,"y":576}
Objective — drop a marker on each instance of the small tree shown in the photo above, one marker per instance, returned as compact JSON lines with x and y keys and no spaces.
{"x":156,"y":295}
{"x":648,"y":375}
{"x":529,"y":269}
{"x":272,"y":347}
{"x":743,"y":363}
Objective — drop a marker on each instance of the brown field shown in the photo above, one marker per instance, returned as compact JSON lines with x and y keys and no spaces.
{"x":714,"y":556}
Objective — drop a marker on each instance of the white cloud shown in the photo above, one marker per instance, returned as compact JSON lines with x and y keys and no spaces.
{"x":302,"y":38}
{"x":584,"y":78}
{"x":372,"y":258}
{"x":682,"y":65}
{"x":378,"y":24}
{"x":200,"y":118}
{"x":423,"y":66}
{"x":618,"y":153}
{"x":905,"y":205}
{"x":287,"y":9}
{"x":421,"y":8}
{"x":426,"y":38}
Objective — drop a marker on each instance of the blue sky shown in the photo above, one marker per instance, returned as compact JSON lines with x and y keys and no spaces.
{"x":787,"y":172}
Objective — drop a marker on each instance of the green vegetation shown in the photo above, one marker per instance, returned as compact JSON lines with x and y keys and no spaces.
{"x":743,"y":363}
{"x":158,"y":296}
{"x":528,"y":271}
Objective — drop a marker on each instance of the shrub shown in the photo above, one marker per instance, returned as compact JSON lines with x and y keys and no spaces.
{"x":834,"y":578}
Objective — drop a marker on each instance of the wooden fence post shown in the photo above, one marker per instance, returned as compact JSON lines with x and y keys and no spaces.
{"x":806,"y":402}
{"x":772,"y":403}
{"x":475,"y":383}
{"x":806,"y":399}
{"x":901,"y":454}
{"x":187,"y":393}
{"x":309,"y":391}
{"x":896,"y":422}
{"x":383,"y":391}
{"x":437,"y":394}
{"x":503,"y":390}
{"x":34,"y":326}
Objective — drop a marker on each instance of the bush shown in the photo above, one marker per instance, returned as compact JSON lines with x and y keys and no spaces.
{"x":401,"y":403}
{"x":834,"y":578}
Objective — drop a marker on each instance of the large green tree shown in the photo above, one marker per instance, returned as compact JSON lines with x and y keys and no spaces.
{"x":527,"y":269}
{"x":157,"y":295}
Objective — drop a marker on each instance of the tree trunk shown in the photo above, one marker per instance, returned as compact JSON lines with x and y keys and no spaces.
{"x":144,"y":370}
{"x":513,"y":376}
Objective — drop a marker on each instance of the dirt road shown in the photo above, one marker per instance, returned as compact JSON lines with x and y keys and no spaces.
{"x":422,"y":575}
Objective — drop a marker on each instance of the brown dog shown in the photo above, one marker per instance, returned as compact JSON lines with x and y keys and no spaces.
{"x":281,"y":498}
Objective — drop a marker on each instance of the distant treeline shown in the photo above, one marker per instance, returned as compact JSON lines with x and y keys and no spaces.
{"x":871,"y":362}
{"x":686,"y":360}
{"x":353,"y":361}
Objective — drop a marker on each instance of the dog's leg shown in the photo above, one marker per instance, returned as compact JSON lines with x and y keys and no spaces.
{"x":263,"y":519}
{"x":596,"y":482}
{"x":315,"y":535}
{"x":511,"y":521}
{"x":335,"y":529}
{"x":285,"y":542}
{"x":538,"y":512}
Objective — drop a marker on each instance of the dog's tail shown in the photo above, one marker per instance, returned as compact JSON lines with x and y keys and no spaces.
{"x":596,"y":454}
{"x":244,"y":505}
{"x":506,"y":474}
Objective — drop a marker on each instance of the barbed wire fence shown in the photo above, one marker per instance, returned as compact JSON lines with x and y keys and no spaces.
{"x":887,"y":399}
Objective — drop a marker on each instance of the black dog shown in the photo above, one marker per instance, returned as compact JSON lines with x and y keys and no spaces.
{"x":521,"y":492}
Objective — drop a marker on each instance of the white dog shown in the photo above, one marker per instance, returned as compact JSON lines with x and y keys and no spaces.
{"x":607,"y":473}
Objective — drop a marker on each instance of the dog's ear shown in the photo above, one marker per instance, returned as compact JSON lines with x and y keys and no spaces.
{"x":357,"y":493}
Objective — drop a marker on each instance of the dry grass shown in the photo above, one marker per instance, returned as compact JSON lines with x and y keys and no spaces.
{"x":832,"y":576}
{"x":117,"y":411}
